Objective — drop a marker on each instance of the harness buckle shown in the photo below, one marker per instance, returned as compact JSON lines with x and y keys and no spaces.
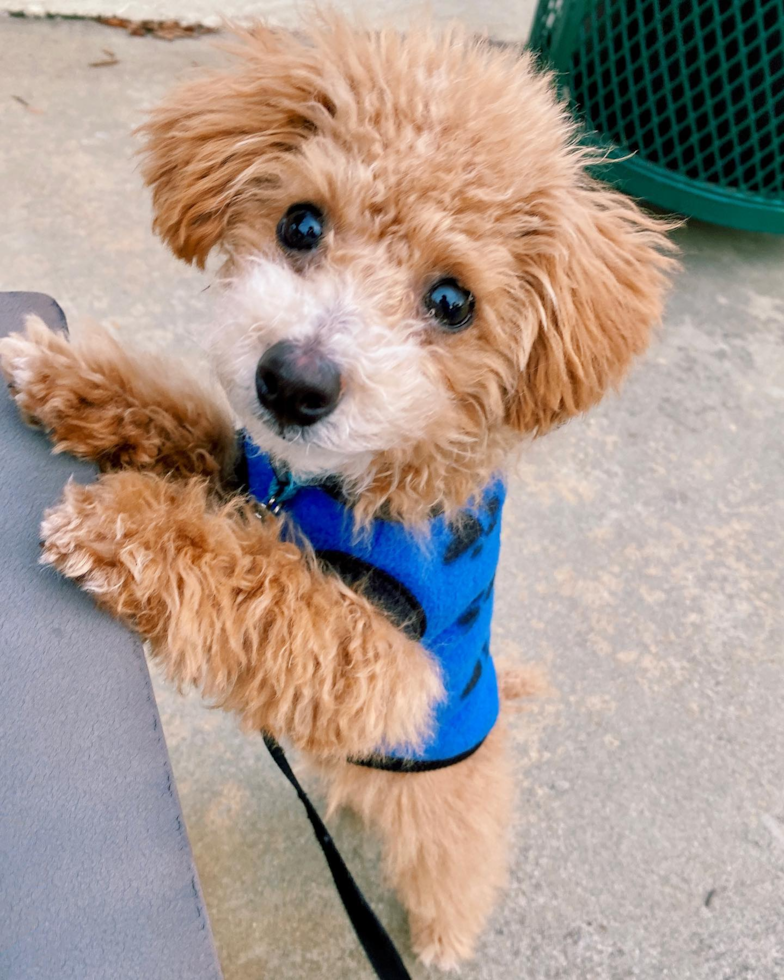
{"x":271,"y":506}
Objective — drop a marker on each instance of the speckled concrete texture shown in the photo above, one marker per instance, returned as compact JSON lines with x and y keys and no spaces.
{"x":642,"y":572}
{"x":505,"y":20}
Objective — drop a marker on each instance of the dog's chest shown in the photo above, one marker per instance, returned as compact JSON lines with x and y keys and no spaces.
{"x":436,"y":587}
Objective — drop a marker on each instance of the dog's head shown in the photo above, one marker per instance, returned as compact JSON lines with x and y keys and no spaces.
{"x":418,"y":270}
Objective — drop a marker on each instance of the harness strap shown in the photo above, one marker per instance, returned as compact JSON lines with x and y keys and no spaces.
{"x":379,"y":948}
{"x":389,"y":763}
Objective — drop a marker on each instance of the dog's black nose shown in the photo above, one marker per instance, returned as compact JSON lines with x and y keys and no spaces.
{"x":298,"y":385}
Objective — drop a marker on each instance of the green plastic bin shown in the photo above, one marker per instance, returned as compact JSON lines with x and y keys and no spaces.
{"x":691,"y":93}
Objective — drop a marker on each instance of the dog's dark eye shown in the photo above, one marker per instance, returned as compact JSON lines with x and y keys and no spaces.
{"x":450,"y":304}
{"x":301,"y":227}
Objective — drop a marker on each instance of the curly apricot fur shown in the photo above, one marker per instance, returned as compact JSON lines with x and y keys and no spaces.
{"x":434,"y":153}
{"x":101,"y":402}
{"x":248,"y":618}
{"x":431,"y":152}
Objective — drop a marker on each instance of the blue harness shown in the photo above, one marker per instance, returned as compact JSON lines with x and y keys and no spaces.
{"x":437,"y":588}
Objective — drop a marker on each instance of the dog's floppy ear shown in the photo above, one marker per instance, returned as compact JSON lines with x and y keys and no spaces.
{"x":597,"y":291}
{"x":216,"y":138}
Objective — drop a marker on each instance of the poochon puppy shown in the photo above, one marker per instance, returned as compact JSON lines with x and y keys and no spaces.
{"x":419,"y":275}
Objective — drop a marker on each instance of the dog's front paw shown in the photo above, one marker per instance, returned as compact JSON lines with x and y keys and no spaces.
{"x":83,"y":537}
{"x":30,"y":362}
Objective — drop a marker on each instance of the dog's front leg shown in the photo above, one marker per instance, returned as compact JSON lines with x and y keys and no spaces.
{"x":101,"y":402}
{"x":250,"y":619}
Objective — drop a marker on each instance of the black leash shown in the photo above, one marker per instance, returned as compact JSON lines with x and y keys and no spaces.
{"x":379,"y":948}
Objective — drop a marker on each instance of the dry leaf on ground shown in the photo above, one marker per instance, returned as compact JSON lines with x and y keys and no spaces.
{"x":166,"y":30}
